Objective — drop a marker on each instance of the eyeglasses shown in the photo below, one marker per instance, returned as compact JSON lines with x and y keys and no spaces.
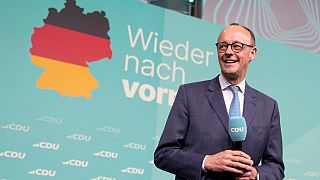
{"x":236,"y":46}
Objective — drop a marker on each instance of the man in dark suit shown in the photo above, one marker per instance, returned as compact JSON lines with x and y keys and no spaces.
{"x":195,"y":143}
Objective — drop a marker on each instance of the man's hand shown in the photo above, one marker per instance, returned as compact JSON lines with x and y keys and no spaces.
{"x":229,"y":161}
{"x":248,"y":175}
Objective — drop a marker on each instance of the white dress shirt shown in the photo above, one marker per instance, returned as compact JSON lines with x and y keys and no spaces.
{"x":227,"y":93}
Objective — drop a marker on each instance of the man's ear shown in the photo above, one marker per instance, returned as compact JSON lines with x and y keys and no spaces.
{"x":253,"y":53}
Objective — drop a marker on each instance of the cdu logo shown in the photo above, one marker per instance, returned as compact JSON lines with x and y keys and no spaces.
{"x":108,"y":129}
{"x":13,"y":154}
{"x":77,"y":163}
{"x":132,"y":170}
{"x":17,"y":127}
{"x":135,"y":146}
{"x":79,"y":137}
{"x":43,"y":172}
{"x":107,"y":154}
{"x":47,"y":145}
{"x":239,"y":129}
{"x":51,"y":120}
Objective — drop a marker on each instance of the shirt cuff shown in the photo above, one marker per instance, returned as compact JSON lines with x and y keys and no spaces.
{"x":204,"y":159}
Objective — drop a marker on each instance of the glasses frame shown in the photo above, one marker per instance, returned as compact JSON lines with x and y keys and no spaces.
{"x":236,"y":51}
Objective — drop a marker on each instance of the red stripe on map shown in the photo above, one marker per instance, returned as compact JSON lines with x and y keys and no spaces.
{"x":69,"y":46}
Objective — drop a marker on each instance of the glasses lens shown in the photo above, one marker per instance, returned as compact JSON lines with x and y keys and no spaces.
{"x":222,"y":47}
{"x":237,"y":47}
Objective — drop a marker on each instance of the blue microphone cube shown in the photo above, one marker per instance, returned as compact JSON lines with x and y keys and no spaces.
{"x":237,"y":128}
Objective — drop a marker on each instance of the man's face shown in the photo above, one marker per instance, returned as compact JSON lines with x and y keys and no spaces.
{"x":233,"y":65}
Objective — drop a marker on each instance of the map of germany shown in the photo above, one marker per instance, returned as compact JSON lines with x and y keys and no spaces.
{"x":65,"y":44}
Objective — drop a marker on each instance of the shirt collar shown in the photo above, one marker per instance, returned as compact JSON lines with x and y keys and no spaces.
{"x":224,"y":83}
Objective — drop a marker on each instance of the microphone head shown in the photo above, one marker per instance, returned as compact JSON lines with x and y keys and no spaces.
{"x":237,"y":128}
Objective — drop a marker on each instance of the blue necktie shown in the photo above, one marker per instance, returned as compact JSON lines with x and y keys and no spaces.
{"x":234,"y":110}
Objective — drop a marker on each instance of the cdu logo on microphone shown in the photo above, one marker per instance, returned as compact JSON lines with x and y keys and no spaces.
{"x":237,"y":128}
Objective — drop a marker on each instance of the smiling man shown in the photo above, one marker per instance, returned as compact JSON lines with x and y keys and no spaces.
{"x":234,"y":61}
{"x":196,"y":143}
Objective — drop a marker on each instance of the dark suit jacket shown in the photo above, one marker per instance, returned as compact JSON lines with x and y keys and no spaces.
{"x":198,"y":125}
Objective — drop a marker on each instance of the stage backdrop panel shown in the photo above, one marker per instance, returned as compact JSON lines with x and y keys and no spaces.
{"x":86,"y":87}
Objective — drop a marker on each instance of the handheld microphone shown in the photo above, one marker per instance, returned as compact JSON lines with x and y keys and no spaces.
{"x":237,"y":131}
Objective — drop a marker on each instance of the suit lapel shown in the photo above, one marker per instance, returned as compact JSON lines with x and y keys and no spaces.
{"x":249,"y":107}
{"x":215,"y":98}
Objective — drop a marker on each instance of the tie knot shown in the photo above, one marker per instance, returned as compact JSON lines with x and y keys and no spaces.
{"x":234,"y":89}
